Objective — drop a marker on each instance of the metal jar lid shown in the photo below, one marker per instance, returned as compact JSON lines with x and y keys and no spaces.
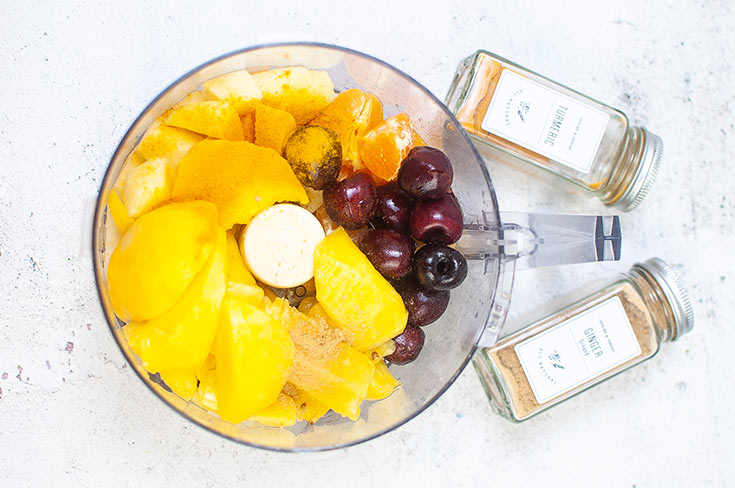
{"x":675,"y":294}
{"x":645,"y":175}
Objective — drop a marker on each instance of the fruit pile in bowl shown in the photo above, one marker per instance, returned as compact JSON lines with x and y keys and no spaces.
{"x":280,"y":245}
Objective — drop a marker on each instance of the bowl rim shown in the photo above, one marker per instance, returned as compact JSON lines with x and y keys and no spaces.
{"x":111,"y":319}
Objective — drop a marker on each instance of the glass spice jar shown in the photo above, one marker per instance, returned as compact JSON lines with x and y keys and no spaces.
{"x":618,"y":326}
{"x":549,"y":125}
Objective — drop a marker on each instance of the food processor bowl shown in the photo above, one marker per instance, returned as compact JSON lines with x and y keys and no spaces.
{"x":478,"y":306}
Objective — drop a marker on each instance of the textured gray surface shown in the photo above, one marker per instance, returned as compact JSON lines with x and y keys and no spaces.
{"x":74,"y":75}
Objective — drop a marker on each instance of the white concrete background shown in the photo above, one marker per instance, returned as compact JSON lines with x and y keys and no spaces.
{"x":73,"y":75}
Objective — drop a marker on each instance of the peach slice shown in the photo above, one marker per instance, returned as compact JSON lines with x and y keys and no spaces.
{"x":158,"y":258}
{"x":181,"y":337}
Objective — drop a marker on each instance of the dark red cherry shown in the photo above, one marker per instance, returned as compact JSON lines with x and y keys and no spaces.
{"x":351,"y":203}
{"x":437,"y":220}
{"x":389,"y":251}
{"x":426,"y":172}
{"x":408,"y":345}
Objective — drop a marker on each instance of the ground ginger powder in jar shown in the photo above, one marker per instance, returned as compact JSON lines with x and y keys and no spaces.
{"x":618,"y":326}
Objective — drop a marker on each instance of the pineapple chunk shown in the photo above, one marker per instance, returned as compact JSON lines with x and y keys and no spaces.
{"x":252,"y":294}
{"x":237,"y":87}
{"x":242,"y":179}
{"x":215,"y":119}
{"x":193,"y":97}
{"x":254,"y":353}
{"x":205,"y":395}
{"x":118,"y":212}
{"x":325,"y":367}
{"x":282,"y":413}
{"x":354,"y":295}
{"x":382,"y":384}
{"x":147,"y":186}
{"x":273,"y":127}
{"x":236,"y":268}
{"x":309,"y":409}
{"x":165,"y":141}
{"x":301,"y":92}
{"x":182,"y":382}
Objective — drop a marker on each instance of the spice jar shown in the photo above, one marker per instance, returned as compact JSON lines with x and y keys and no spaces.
{"x":549,"y":125}
{"x":618,"y":326}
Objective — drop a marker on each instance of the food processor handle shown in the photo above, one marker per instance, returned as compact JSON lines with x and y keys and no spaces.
{"x":533,"y":240}
{"x":529,"y":240}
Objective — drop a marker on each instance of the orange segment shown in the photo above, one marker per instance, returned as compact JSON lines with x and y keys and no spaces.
{"x":351,"y":115}
{"x":383,"y":148}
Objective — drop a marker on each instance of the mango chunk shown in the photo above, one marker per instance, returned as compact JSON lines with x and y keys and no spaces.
{"x":301,"y":92}
{"x":148,"y":185}
{"x":159,"y":256}
{"x":254,"y":354}
{"x":351,"y":115}
{"x":164,"y":141}
{"x":325,"y":367}
{"x":238,"y":88}
{"x":214,"y":118}
{"x":236,"y":268}
{"x":282,"y":413}
{"x":181,"y":337}
{"x":242,"y":179}
{"x":182,"y":382}
{"x":273,"y":127}
{"x":118,"y":212}
{"x":354,"y":295}
{"x":382,"y":384}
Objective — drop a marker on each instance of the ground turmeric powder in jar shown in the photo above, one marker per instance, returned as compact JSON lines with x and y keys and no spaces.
{"x":507,"y":107}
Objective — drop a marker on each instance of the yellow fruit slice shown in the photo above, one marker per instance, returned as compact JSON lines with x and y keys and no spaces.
{"x":301,"y":92}
{"x":325,"y":366}
{"x":282,"y":413}
{"x":354,"y":295}
{"x":215,"y":119}
{"x":182,"y":337}
{"x":241,"y":178}
{"x":309,"y":409}
{"x":207,"y":376}
{"x":382,"y":384}
{"x":148,"y":185}
{"x":159,"y":256}
{"x":170,"y":142}
{"x":351,"y":115}
{"x":248,"y":126}
{"x":252,"y":294}
{"x":254,"y":353}
{"x":118,"y":212}
{"x":236,"y":268}
{"x":383,"y":350}
{"x":238,"y":88}
{"x":273,"y":127}
{"x":182,"y":382}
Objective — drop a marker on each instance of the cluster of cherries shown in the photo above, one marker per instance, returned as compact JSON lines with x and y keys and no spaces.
{"x":419,"y":206}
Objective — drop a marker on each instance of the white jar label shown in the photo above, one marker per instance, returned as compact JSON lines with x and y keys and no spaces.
{"x":545,"y":121}
{"x":578,"y":349}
